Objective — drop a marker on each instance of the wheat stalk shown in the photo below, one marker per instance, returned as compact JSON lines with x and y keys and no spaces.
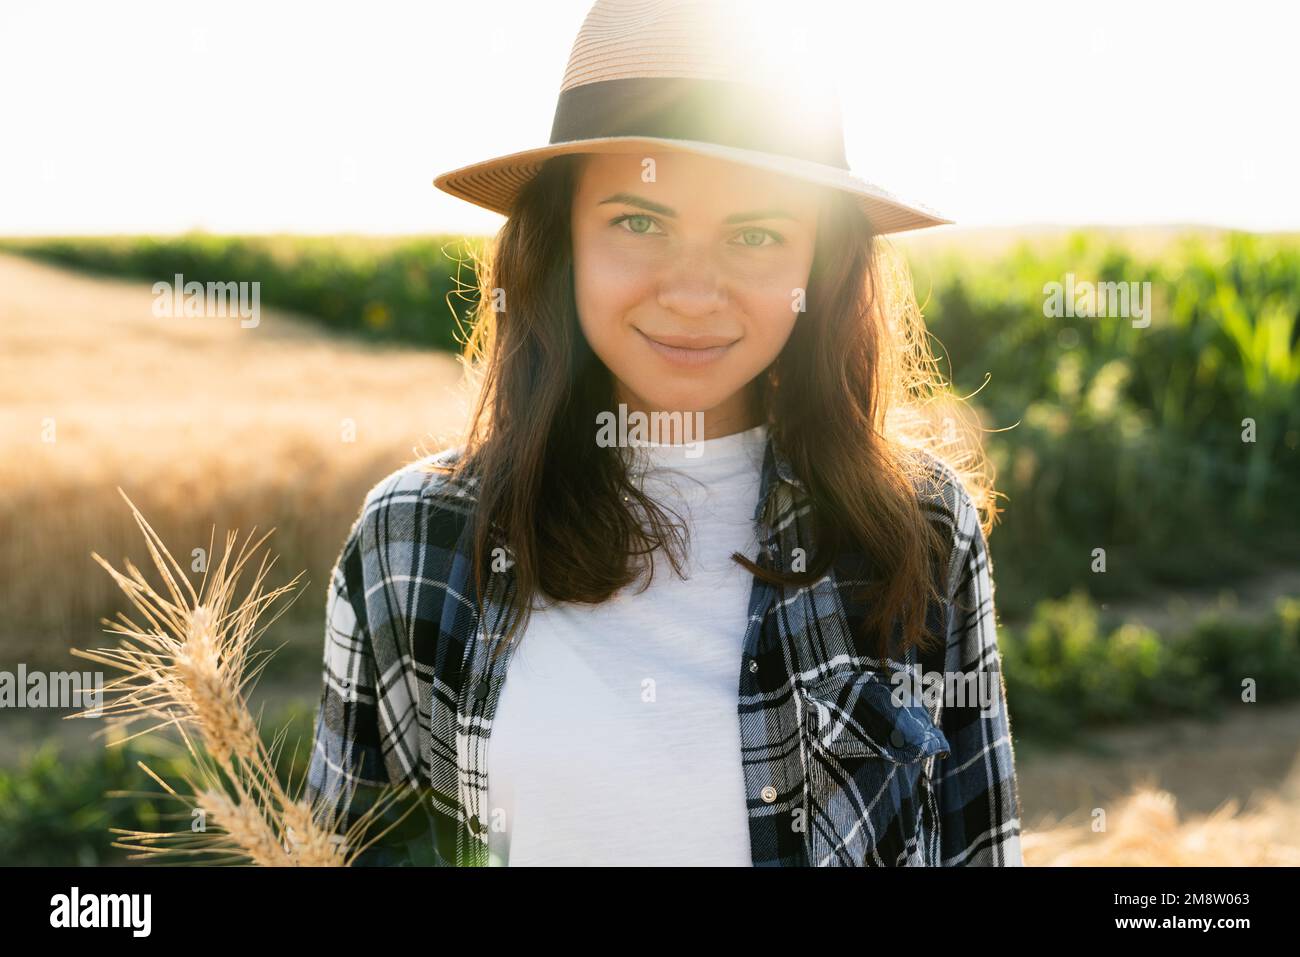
{"x":190,"y":668}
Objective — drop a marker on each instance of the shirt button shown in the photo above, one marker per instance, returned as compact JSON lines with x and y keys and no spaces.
{"x":769,"y":794}
{"x":753,"y":665}
{"x":481,"y":689}
{"x":474,"y":824}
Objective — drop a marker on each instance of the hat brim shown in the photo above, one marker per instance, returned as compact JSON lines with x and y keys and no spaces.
{"x":493,"y":184}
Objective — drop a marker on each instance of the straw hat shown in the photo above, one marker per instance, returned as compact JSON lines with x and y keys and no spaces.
{"x":701,"y":76}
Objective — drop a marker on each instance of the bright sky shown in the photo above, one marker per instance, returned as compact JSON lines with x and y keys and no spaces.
{"x":238,"y":116}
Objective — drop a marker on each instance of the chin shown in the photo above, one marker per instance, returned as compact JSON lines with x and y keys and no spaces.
{"x":682,"y":400}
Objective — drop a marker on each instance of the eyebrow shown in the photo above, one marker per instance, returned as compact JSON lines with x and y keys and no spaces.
{"x":631,"y":199}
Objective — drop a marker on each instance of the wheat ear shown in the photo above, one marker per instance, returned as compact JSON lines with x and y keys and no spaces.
{"x":189,"y":668}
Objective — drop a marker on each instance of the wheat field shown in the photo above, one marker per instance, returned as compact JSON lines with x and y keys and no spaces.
{"x":201,"y":422}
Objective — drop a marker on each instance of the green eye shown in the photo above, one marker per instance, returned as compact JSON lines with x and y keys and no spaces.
{"x":638,"y":223}
{"x":762,"y":234}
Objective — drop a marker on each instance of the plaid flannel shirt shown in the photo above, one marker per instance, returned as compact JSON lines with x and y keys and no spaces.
{"x":847,"y":760}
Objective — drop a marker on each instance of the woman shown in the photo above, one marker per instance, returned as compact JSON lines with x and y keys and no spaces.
{"x":709,"y":573}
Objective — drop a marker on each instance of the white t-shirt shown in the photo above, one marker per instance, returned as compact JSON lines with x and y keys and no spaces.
{"x":616,"y":741}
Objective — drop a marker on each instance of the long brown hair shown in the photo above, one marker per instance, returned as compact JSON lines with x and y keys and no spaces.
{"x":853,"y":396}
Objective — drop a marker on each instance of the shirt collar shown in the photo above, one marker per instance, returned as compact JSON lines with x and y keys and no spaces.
{"x":776,"y":469}
{"x":781,"y":463}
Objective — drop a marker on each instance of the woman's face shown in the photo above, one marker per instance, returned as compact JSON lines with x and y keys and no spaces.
{"x":688,"y":273}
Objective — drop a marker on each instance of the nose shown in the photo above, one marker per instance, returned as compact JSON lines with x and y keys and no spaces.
{"x":692,"y":285}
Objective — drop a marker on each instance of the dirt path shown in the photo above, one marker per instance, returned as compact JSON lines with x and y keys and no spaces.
{"x":1253,"y":750}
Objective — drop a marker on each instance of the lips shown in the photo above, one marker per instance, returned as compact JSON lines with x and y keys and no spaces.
{"x":689,"y":350}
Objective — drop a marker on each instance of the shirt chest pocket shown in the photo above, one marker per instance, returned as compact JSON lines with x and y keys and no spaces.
{"x":870,"y":796}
